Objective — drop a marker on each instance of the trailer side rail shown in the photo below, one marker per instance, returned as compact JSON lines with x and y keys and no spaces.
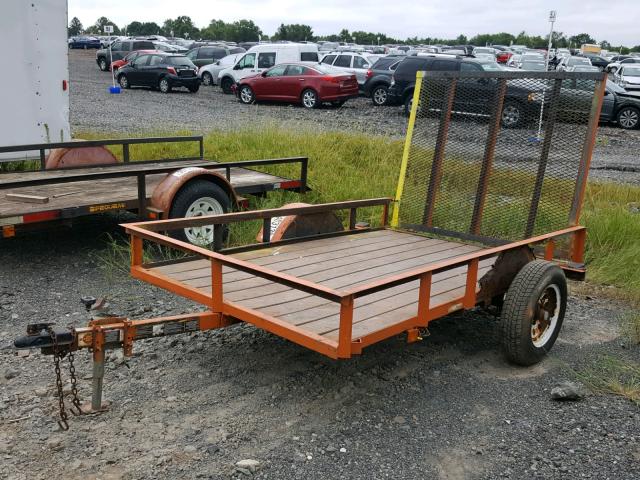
{"x":345,"y":346}
{"x":125,"y":143}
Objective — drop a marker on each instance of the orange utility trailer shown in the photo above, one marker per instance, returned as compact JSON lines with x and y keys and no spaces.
{"x":481,"y":222}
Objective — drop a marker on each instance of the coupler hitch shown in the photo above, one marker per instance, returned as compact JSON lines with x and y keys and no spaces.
{"x":107,"y":333}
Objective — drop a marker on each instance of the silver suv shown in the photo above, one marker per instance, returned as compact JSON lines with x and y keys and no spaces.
{"x":351,"y":62}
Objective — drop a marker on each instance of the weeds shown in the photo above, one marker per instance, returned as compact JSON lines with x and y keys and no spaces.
{"x":630,"y":326}
{"x":354,"y":166}
{"x":614,"y":376}
{"x":114,"y":259}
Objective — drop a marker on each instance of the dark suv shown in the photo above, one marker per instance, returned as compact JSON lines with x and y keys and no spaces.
{"x":473,"y":95}
{"x":119,"y":50}
{"x":378,"y":79}
{"x":208,"y":54}
{"x":163,"y":71}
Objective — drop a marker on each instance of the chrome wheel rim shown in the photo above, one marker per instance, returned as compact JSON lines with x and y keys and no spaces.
{"x":546,"y":315}
{"x":510,"y":115}
{"x":203,"y":206}
{"x":380,"y":96}
{"x":246,"y":95}
{"x":164,"y":85}
{"x":124,"y":83}
{"x":206,"y":79}
{"x":628,"y":118}
{"x":103,"y":64}
{"x":309,"y":99}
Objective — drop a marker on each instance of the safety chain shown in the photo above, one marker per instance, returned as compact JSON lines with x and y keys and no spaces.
{"x":57,"y":355}
{"x":74,"y":386}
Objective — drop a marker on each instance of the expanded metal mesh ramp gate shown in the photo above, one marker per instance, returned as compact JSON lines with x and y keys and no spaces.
{"x":497,"y":156}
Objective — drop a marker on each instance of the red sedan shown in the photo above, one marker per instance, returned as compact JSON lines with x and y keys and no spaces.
{"x":130,"y":58}
{"x":309,"y":84}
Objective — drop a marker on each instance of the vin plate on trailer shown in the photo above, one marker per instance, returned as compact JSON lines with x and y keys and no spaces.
{"x":107,"y":206}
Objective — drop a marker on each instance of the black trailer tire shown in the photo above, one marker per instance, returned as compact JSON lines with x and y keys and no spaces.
{"x":195,"y":199}
{"x":533,"y":311}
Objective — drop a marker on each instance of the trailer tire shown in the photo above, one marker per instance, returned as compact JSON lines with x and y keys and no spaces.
{"x":533,"y":310}
{"x":195,"y":199}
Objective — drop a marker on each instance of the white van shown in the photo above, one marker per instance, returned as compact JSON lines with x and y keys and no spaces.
{"x":261,"y":57}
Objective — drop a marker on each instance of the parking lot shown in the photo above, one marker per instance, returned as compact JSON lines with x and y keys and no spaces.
{"x":138,"y":111}
{"x":192,"y":406}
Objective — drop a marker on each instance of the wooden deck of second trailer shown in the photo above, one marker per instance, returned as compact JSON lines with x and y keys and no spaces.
{"x":340,"y":262}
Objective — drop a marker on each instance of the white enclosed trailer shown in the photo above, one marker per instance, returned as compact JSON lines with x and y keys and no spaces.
{"x":35,"y":104}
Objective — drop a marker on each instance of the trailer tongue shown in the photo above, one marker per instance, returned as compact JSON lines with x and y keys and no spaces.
{"x":471,"y":227}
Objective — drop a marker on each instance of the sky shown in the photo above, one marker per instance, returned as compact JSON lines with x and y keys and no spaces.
{"x":615,"y":21}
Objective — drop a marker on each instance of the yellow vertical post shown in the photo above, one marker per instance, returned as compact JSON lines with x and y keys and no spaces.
{"x":407,"y":147}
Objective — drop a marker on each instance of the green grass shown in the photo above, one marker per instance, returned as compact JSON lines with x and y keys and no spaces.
{"x":614,"y":376}
{"x":353,"y":166}
{"x":630,"y":326}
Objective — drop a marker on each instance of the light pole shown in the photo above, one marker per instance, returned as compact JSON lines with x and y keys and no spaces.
{"x":552,"y":20}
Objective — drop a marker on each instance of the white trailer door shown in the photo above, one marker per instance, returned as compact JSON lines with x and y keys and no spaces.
{"x":35,"y":103}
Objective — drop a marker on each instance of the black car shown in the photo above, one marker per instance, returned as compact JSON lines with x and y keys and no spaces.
{"x":163,"y":71}
{"x":620,"y":106}
{"x":472,"y":95}
{"x":119,"y":50}
{"x":379,"y":78}
{"x":596,"y":61}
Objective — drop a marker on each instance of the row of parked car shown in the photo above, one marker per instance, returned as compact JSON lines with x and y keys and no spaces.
{"x":297,"y":73}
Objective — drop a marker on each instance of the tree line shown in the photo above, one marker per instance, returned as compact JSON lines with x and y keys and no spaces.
{"x":248,"y":31}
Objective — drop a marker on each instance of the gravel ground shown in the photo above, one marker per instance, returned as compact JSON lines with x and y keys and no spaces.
{"x":448,"y":407}
{"x":94,"y":109}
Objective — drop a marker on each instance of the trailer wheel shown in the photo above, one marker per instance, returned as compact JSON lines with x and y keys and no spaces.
{"x":196,"y":199}
{"x":533,"y":310}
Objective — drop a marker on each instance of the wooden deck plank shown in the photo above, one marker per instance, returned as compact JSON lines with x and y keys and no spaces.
{"x":106,"y":190}
{"x":276,"y":255}
{"x":403,"y":313}
{"x":263,"y":297}
{"x":308,"y":264}
{"x":395,"y":310}
{"x":297,"y":315}
{"x":319,"y":272}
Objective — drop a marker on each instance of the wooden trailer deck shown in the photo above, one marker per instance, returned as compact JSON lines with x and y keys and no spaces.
{"x":338,"y":263}
{"x":82,"y":194}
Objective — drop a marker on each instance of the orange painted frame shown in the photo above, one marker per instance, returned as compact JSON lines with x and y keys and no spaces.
{"x":346,"y":346}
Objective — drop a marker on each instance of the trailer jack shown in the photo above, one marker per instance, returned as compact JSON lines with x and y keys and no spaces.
{"x":103,"y":334}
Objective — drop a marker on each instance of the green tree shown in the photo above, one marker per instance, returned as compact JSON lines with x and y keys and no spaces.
{"x":294,"y":32}
{"x":606,"y":45}
{"x":98,"y":27}
{"x":182,"y":26}
{"x":244,"y":31}
{"x":577,"y":40}
{"x":217,"y":30}
{"x":344,"y":35}
{"x":75,"y":27}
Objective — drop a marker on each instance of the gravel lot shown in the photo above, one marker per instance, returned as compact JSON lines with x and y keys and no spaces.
{"x":93,"y":109}
{"x":448,"y":407}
